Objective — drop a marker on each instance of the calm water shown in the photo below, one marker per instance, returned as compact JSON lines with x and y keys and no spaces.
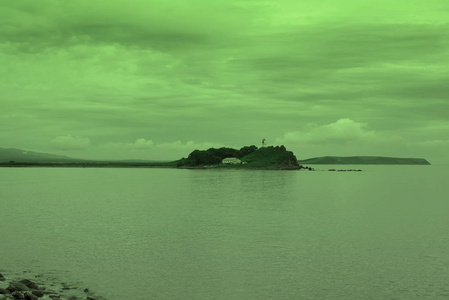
{"x":209,"y":234}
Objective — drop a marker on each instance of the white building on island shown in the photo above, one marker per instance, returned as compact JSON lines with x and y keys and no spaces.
{"x":231,"y":161}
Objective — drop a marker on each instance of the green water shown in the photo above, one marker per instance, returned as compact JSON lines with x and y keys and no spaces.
{"x":210,"y":234}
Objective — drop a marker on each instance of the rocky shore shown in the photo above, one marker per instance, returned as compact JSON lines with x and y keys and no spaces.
{"x":36,"y":289}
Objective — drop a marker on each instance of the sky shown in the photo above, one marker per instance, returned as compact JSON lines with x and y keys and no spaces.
{"x":150,"y":79}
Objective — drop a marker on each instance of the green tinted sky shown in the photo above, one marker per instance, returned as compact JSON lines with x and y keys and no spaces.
{"x":157,"y":79}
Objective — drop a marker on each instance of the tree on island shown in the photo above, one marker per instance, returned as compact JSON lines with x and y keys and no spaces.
{"x":213,"y":156}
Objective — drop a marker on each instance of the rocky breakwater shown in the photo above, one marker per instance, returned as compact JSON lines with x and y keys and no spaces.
{"x":27,"y":289}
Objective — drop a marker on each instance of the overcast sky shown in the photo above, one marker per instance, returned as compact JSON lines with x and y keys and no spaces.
{"x":157,"y":79}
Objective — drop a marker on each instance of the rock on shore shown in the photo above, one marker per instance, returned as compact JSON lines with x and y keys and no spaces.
{"x":34,"y":289}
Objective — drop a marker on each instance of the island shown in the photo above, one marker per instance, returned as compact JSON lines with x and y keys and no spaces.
{"x":248,"y":157}
{"x":364,"y":160}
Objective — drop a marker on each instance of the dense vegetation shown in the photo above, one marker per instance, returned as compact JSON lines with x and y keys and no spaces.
{"x":252,"y":157}
{"x":271,"y":157}
{"x":213,"y":156}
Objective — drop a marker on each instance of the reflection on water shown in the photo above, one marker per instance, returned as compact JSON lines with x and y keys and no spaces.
{"x":232,"y":234}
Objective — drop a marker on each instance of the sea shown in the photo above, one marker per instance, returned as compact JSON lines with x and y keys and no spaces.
{"x":146,"y":233}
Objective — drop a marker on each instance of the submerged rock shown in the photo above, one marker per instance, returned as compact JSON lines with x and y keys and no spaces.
{"x":30,"y":284}
{"x":18,"y":295}
{"x":30,"y":296}
{"x":65,"y":286}
{"x":16,"y":286}
{"x":38,"y":293}
{"x":2,"y":278}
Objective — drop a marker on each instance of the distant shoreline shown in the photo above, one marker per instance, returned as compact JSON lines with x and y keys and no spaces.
{"x":248,"y":157}
{"x":138,"y":166}
{"x":363,"y":160}
{"x":174,"y":165}
{"x":84,"y":165}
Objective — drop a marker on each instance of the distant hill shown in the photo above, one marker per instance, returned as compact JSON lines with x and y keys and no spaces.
{"x":17,"y":155}
{"x":364,"y":160}
{"x":138,"y":161}
{"x":23,"y":156}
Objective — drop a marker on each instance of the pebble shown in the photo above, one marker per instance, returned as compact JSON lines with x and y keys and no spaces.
{"x":18,"y":295}
{"x":30,"y":296}
{"x":26,"y":289}
{"x":38,"y":293}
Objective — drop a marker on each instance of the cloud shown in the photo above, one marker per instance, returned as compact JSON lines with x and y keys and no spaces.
{"x":183,"y":70}
{"x":139,"y":144}
{"x":69,"y":142}
{"x":347,"y":137}
{"x":161,"y":25}
{"x":189,"y":146}
{"x":340,"y":132}
{"x":147,"y":149}
{"x":142,"y":144}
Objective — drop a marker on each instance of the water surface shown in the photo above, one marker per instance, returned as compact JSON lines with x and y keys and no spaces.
{"x":232,"y":234}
